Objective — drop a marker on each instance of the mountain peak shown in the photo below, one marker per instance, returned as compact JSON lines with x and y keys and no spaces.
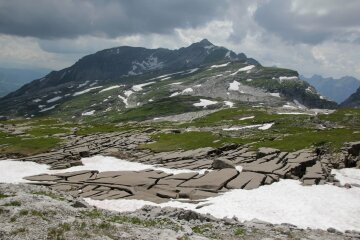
{"x":205,"y":42}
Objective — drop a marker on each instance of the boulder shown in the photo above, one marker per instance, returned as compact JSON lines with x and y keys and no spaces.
{"x":247,"y":180}
{"x":222,"y":163}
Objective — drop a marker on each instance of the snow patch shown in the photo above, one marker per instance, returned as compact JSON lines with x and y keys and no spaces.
{"x":54,"y":99}
{"x":204,"y":103}
{"x":110,"y":88}
{"x":246,"y":118}
{"x":187,"y":90}
{"x":286,"y":201}
{"x":288,"y":78}
{"x":347,"y":175}
{"x":139,"y":87}
{"x":48,"y":108}
{"x":220,"y":65}
{"x":86,"y":91}
{"x":244,"y":69}
{"x":234,"y":86}
{"x":83,"y":84}
{"x":258,"y":126}
{"x":37,"y":100}
{"x":89,"y":113}
{"x":229,"y":104}
{"x":275,"y":94}
{"x":174,"y":94}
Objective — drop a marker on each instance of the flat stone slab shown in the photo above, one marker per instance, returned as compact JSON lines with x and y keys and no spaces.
{"x":43,"y":177}
{"x":246,"y":180}
{"x":214,"y":180}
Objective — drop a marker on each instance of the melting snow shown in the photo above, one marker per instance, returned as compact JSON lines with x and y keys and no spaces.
{"x":258,"y":126}
{"x":234,"y":86}
{"x":293,"y":113}
{"x":110,"y":88}
{"x":249,"y":80}
{"x":187,"y":90}
{"x":221,"y":65}
{"x":48,"y":108}
{"x":139,"y":87}
{"x":174,"y":94}
{"x":228,"y":103}
{"x":347,"y":175}
{"x":288,"y":78}
{"x":245,"y":118}
{"x":286,"y":201}
{"x":37,"y":100}
{"x":89,"y":113}
{"x":54,"y":99}
{"x":125,"y":100}
{"x":83,"y":84}
{"x":176,"y":83}
{"x":166,"y":78}
{"x":244,"y":69}
{"x":275,"y":94}
{"x":204,"y":103}
{"x":86,"y":91}
{"x":192,"y":71}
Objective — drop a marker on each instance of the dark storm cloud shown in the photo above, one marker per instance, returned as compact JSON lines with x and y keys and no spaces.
{"x":68,"y":19}
{"x":311,"y":21}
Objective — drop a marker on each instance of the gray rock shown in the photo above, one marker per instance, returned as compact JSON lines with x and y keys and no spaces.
{"x":222,"y":163}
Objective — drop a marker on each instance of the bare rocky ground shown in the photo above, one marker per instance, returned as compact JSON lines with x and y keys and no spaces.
{"x":36,"y":212}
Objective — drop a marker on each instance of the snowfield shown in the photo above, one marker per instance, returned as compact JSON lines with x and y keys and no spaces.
{"x":204,"y":103}
{"x":265,"y":126}
{"x":54,"y":99}
{"x":287,"y":201}
{"x":110,"y":88}
{"x":220,"y":65}
{"x":234,"y":86}
{"x":244,"y":69}
{"x":85,"y":91}
{"x":89,"y":113}
{"x":139,"y":87}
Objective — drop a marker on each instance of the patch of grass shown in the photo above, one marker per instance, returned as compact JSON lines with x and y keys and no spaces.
{"x":49,"y":131}
{"x":28,"y":146}
{"x":103,"y":128}
{"x":187,"y":141}
{"x":143,"y":222}
{"x":13,"y":204}
{"x":92,"y":214}
{"x":23,"y":212}
{"x":239,"y":231}
{"x":201,"y":229}
{"x":334,"y":138}
{"x":58,"y":233}
{"x":2,"y":195}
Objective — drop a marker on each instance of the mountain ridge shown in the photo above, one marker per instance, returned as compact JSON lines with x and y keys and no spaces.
{"x":203,"y":69}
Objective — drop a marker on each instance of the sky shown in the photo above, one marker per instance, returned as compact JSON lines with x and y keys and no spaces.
{"x":310,"y":36}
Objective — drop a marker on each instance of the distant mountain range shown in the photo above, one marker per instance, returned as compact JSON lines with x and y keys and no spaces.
{"x":13,"y":78}
{"x":113,"y":80}
{"x":335,"y":89}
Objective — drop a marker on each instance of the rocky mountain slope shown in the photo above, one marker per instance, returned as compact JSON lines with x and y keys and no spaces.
{"x":353,"y":101}
{"x":119,"y":79}
{"x":335,"y":89}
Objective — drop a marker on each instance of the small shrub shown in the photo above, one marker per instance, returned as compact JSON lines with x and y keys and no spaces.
{"x":239,"y":231}
{"x":13,"y":204}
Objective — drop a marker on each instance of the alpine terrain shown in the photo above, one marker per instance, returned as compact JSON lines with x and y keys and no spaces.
{"x":194,"y":143}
